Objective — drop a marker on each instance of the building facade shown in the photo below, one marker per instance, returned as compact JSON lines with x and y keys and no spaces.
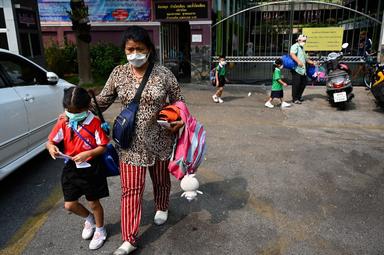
{"x":20,"y":30}
{"x":180,"y":30}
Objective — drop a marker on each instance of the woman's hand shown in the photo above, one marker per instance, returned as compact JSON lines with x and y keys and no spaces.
{"x":299,"y":63}
{"x":63,"y":116}
{"x":175,"y":126}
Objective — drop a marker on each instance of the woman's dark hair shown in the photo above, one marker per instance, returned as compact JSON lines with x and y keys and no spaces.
{"x":139,"y":34}
{"x":278,"y":62}
{"x":76,"y":97}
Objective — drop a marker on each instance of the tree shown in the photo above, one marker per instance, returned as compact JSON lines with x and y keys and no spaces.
{"x":82,"y":28}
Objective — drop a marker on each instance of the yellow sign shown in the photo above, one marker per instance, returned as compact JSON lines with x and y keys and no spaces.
{"x":323,"y":38}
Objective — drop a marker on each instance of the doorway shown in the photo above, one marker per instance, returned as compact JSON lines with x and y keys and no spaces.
{"x":176,"y":52}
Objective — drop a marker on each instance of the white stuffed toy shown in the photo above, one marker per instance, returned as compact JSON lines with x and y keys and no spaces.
{"x":190,"y":185}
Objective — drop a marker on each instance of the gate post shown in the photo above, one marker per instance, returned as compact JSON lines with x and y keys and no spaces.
{"x":380,"y":51}
{"x":292,"y":9}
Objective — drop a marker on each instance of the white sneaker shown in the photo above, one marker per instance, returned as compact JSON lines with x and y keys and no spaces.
{"x":98,"y":239}
{"x":88,"y":230}
{"x":215,"y":99}
{"x":161,"y":217}
{"x":268,"y":104}
{"x":220,"y":100}
{"x":285,"y":105}
{"x":125,"y":249}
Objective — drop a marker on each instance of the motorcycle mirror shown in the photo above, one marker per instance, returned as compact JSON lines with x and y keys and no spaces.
{"x":345,"y":45}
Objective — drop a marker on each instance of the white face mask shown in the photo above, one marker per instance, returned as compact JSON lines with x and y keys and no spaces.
{"x":281,"y":67}
{"x":223,"y":63}
{"x":301,"y":44}
{"x":137,"y":59}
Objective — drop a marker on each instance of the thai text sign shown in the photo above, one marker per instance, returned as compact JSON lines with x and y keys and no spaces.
{"x":323,"y":38}
{"x":99,"y":10}
{"x":181,"y":10}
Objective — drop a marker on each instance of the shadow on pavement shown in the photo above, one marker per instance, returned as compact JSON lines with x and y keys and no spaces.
{"x":231,"y":98}
{"x":311,"y":97}
{"x":219,"y":199}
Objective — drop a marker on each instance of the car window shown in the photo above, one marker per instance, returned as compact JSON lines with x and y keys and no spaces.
{"x":21,"y":72}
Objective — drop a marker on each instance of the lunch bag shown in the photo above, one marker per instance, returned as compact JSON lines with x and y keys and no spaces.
{"x":288,"y":62}
{"x":110,"y":157}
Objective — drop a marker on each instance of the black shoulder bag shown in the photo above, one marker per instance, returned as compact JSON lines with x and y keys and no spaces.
{"x":124,"y":124}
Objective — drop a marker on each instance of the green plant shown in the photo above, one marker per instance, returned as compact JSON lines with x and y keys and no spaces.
{"x":61,"y":60}
{"x":104,"y":57}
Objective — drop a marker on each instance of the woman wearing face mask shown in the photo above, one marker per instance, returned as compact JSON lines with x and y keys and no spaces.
{"x":299,"y":78}
{"x":152,"y":144}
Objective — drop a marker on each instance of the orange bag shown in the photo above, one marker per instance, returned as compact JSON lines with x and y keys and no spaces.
{"x":169,"y":113}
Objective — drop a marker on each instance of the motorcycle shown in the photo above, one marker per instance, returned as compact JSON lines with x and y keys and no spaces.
{"x":338,"y":84}
{"x":377,"y":87}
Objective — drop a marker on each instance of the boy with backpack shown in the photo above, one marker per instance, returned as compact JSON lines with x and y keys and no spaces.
{"x":220,"y":80}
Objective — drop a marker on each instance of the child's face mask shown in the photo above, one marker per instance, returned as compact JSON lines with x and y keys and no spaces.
{"x":74,"y":118}
{"x":302,"y":44}
{"x":223,"y":62}
{"x":281,"y":67}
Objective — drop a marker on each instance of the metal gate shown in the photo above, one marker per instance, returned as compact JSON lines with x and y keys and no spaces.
{"x":252,"y":38}
{"x":171,"y":46}
{"x":175,"y":41}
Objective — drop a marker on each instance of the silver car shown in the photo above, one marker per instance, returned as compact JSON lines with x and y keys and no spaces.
{"x":30,"y":102}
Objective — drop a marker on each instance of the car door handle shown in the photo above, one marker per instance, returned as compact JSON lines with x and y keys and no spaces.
{"x":29,"y":98}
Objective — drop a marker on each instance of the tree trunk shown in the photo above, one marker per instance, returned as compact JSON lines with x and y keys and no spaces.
{"x":84,"y":63}
{"x":81,"y":27}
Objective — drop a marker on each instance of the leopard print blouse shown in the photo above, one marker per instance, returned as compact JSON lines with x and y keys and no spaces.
{"x":150,"y":142}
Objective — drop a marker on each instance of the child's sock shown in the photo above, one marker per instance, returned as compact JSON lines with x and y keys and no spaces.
{"x":100,"y":229}
{"x":90,"y":218}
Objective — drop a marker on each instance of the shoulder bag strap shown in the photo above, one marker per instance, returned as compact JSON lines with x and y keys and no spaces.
{"x":82,"y":138}
{"x":143,"y":82}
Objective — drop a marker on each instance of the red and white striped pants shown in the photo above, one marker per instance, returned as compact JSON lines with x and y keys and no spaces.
{"x":132,"y":189}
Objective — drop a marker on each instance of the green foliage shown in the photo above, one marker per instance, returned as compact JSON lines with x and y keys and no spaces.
{"x":104,"y":57}
{"x":61,"y":60}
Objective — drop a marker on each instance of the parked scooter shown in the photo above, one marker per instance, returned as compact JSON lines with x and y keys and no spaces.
{"x":338,"y":84}
{"x":377,"y":87}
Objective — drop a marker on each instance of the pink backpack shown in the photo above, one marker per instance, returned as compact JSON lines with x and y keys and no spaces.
{"x":189,"y":149}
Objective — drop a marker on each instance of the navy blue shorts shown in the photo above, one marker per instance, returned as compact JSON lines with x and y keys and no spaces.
{"x":277,"y":94}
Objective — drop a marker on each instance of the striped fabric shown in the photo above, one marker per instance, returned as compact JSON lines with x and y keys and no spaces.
{"x":132,"y":189}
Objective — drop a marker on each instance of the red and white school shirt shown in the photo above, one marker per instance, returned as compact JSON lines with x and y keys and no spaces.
{"x":62,"y":132}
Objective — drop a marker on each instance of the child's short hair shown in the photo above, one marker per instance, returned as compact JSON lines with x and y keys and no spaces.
{"x":221,"y":56}
{"x":278,"y":62}
{"x":76,"y":97}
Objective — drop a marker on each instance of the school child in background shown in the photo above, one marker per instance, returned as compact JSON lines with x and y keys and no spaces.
{"x":83,"y":141}
{"x":277,"y":86}
{"x":221,"y":72}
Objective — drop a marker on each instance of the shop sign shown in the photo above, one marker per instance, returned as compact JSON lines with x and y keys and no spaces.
{"x":99,"y":10}
{"x":323,"y":38}
{"x":181,"y":10}
{"x":26,"y":19}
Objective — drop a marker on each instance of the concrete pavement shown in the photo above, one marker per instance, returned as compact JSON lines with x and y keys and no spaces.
{"x":304,"y":180}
